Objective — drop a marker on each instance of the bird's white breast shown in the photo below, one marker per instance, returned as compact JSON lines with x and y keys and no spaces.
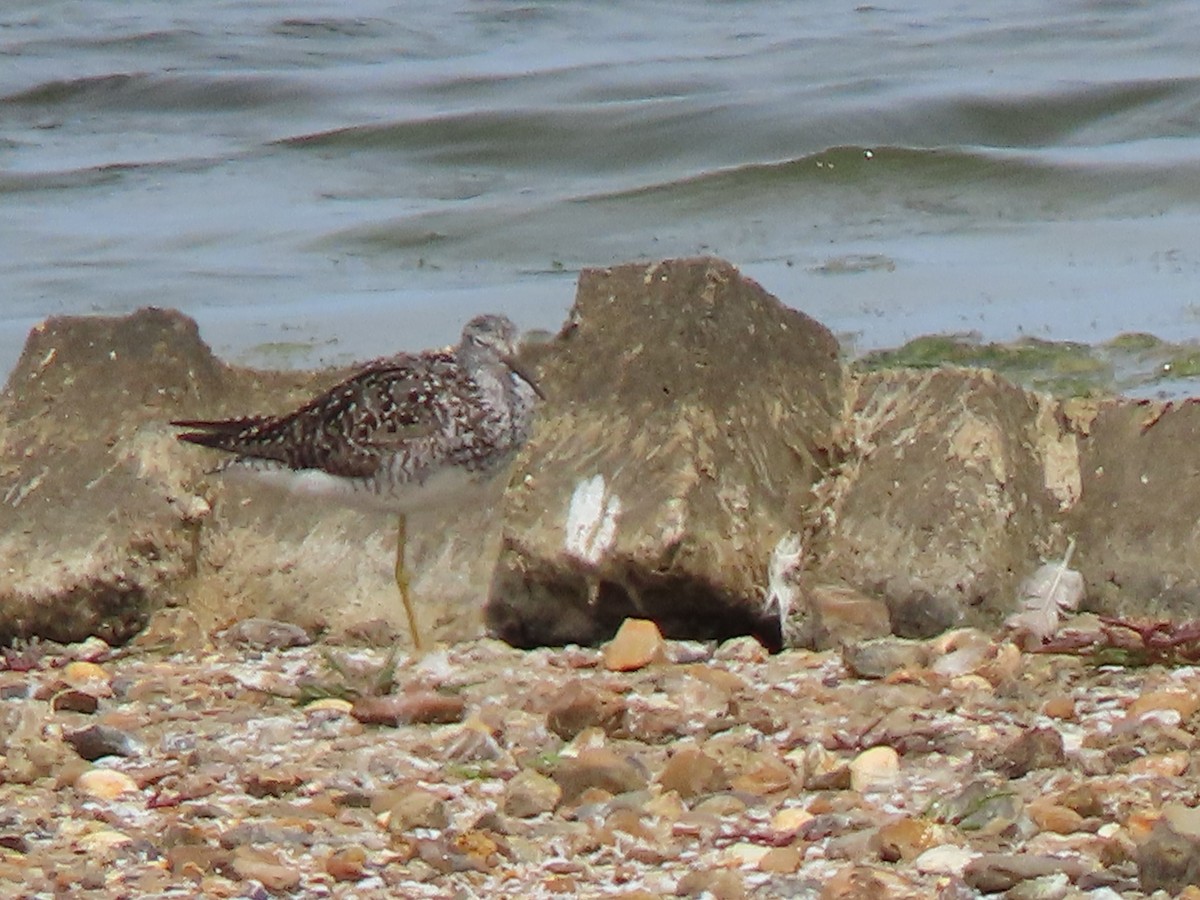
{"x":443,"y":485}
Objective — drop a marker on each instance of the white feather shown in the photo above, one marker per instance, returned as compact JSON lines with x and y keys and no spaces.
{"x":1052,"y":590}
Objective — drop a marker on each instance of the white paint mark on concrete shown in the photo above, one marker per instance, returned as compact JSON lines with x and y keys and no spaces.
{"x":591,"y":520}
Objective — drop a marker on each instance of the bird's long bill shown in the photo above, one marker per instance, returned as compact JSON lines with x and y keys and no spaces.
{"x":526,"y":375}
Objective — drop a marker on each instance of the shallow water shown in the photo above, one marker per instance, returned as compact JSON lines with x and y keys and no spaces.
{"x":321,"y":181}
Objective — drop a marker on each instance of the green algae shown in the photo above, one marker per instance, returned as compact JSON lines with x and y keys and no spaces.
{"x":1135,"y":342}
{"x":1134,"y":363}
{"x":1059,"y":367}
{"x":1181,"y":365}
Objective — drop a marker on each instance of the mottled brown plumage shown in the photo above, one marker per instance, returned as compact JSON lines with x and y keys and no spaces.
{"x":403,"y":432}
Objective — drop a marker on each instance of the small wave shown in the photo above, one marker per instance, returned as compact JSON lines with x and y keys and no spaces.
{"x":146,"y":91}
{"x":1082,"y":114}
{"x":842,"y":165}
{"x":107,"y":173}
{"x":51,"y":93}
{"x":588,"y":139}
{"x":73,"y":43}
{"x":495,"y":137}
{"x":323,"y":26}
{"x":21,"y":182}
{"x":952,"y":180}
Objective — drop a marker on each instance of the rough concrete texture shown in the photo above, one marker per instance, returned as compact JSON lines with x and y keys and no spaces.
{"x":104,"y":516}
{"x":689,"y":413}
{"x":1138,"y":519}
{"x":700,"y":461}
{"x":94,"y":520}
{"x":949,"y":497}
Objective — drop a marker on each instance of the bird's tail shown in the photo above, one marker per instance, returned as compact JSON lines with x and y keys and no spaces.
{"x":219,"y":434}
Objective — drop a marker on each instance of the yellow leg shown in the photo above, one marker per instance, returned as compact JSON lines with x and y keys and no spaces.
{"x":402,"y":583}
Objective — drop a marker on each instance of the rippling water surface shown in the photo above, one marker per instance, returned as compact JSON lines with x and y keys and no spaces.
{"x":320,"y":181}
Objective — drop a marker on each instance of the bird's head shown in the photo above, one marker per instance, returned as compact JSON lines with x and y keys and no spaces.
{"x":493,"y":337}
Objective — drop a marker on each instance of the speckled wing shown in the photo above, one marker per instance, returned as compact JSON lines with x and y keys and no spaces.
{"x":347,"y":431}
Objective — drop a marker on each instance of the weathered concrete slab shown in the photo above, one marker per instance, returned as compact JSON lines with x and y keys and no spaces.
{"x":951,"y":494}
{"x":698,"y":435}
{"x":104,"y":517}
{"x":94,"y":519}
{"x":689,"y":414}
{"x":1138,"y":520}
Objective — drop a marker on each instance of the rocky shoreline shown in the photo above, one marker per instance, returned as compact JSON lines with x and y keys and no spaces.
{"x":251,"y":767}
{"x":202,"y":687}
{"x":698,"y":435}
